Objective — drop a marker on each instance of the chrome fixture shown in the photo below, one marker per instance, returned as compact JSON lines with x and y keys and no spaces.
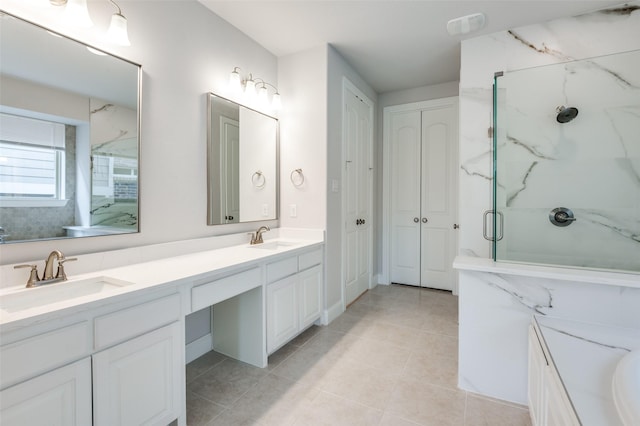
{"x":257,"y":237}
{"x":47,"y":276}
{"x":297,"y":178}
{"x":77,"y":14}
{"x":566,"y":114}
{"x":561,"y":216}
{"x":496,"y":237}
{"x":254,"y":87}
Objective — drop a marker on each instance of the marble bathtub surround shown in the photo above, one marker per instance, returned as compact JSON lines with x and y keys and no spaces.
{"x":587,"y":378}
{"x":498,"y":301}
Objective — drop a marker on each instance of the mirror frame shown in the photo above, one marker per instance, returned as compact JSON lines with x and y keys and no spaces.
{"x":209,"y":96}
{"x":138,"y":134}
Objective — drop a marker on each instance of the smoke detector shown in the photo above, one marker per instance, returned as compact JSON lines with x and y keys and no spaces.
{"x":465,"y":24}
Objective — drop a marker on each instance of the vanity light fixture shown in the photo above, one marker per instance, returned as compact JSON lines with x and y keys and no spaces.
{"x":254,"y":86}
{"x":77,"y":14}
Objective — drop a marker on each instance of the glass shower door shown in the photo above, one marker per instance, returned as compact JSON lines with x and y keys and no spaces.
{"x":567,"y":164}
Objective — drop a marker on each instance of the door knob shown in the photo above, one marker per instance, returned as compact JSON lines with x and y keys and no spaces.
{"x":416,"y":220}
{"x":363,"y":221}
{"x":456,"y":226}
{"x":424,"y":220}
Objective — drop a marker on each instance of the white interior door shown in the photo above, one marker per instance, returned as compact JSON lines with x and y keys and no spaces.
{"x":229,"y":169}
{"x":405,"y":197}
{"x":358,"y":139}
{"x":439,"y":196}
{"x":422,"y":195}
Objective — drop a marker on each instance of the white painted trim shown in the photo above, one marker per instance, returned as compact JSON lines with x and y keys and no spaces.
{"x":385,"y":277}
{"x":328,"y":315}
{"x":348,"y":85}
{"x":198,"y":347}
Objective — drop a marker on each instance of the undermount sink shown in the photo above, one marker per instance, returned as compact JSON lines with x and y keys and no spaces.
{"x":626,"y":388}
{"x":57,"y":292}
{"x":273,"y":245}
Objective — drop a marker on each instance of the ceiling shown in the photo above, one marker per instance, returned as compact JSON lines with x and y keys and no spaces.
{"x":392,"y":44}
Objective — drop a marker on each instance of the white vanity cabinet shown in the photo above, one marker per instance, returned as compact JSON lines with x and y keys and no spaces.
{"x":59,"y":397}
{"x":119,"y":364}
{"x":549,"y":404}
{"x":294,"y":296}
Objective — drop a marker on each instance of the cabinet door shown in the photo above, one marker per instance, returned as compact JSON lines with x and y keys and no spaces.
{"x":60,"y":397}
{"x":559,"y":409}
{"x":138,"y":382}
{"x":282,"y":312}
{"x":310,"y":295}
{"x":536,"y":391}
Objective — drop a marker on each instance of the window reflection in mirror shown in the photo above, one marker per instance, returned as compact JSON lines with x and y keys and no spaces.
{"x":69,"y":137}
{"x":242,"y":163}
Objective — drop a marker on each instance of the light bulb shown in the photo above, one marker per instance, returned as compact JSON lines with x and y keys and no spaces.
{"x":76,"y":13}
{"x":117,"y":32}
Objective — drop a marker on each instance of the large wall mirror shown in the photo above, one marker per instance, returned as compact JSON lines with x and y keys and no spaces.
{"x":242,"y":163}
{"x":69,"y":137}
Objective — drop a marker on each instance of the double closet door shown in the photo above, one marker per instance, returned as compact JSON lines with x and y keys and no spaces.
{"x":423,"y":141}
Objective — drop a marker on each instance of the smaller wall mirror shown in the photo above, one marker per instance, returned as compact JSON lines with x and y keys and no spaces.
{"x":242,"y":170}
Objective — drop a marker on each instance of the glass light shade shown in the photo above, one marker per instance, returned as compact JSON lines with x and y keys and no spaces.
{"x":234,"y":80}
{"x":117,"y":32}
{"x":276,"y":102}
{"x":262,"y":95}
{"x":77,"y":14}
{"x":250,"y":87}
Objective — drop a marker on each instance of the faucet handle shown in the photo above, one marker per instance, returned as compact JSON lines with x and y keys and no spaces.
{"x":61,"y":273}
{"x":253,"y":237}
{"x":33,"y":275}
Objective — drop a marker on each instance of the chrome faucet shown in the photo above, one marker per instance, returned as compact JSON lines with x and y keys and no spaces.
{"x":257,"y":238}
{"x":47,"y":276}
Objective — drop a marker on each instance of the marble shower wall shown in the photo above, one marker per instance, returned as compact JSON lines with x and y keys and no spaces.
{"x":604,"y":32}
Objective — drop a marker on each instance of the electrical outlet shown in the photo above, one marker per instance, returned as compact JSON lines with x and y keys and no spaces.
{"x":265,"y":210}
{"x":293,"y":210}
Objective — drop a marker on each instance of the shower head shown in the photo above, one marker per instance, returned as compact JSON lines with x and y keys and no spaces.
{"x":565,"y":114}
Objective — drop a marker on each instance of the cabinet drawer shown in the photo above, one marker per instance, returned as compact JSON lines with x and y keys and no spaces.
{"x":38,"y":354}
{"x":127,"y":323}
{"x":282,"y":268}
{"x":216,"y":291}
{"x":307,"y":260}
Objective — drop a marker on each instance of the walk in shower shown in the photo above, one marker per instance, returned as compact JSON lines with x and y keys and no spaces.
{"x":567,"y":164}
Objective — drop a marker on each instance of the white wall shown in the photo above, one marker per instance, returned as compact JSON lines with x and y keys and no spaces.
{"x":302,"y":82}
{"x":185,"y":51}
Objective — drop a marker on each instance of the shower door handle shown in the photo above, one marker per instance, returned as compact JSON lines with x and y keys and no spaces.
{"x":416,"y":219}
{"x":484,"y":225}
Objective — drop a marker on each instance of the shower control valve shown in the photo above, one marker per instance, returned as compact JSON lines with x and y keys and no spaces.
{"x":561,"y":216}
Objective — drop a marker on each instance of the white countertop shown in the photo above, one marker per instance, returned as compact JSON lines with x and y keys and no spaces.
{"x":479,"y":264}
{"x":585,"y":356}
{"x":174,"y":270}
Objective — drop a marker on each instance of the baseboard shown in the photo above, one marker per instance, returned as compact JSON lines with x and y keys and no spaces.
{"x":198,"y":347}
{"x":332,"y":313}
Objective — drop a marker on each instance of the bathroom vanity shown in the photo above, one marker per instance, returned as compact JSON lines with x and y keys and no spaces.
{"x":114,"y":353}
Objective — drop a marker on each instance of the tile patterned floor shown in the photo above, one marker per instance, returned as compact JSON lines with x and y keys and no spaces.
{"x":389,"y":360}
